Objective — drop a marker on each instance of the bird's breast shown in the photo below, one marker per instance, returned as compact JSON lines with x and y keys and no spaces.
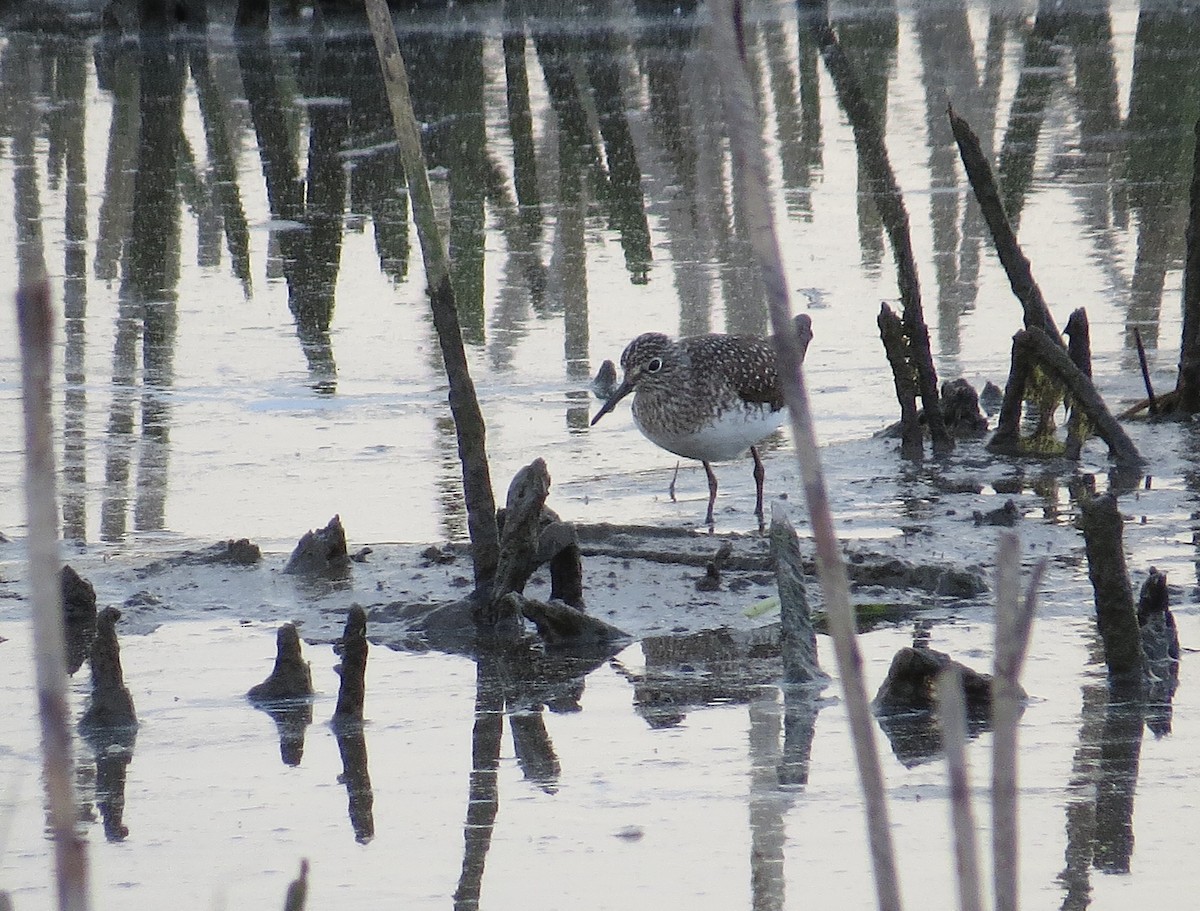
{"x":719,"y":434}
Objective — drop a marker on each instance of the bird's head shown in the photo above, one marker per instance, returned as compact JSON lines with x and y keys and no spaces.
{"x":650,"y":358}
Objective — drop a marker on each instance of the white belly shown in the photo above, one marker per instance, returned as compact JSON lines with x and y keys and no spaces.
{"x":727,"y":438}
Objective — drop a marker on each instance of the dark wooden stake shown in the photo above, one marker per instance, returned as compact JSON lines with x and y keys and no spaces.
{"x":1030,"y":347}
{"x":798,"y":639}
{"x":899,"y":355}
{"x":1016,"y":265}
{"x":353,"y":669}
{"x":297,"y":892}
{"x":1116,"y":616}
{"x":464,"y":404}
{"x":111,"y":704}
{"x":1079,"y":349}
{"x":889,"y":202}
{"x":291,"y":676}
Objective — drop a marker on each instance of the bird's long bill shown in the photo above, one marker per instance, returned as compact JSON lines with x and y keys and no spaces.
{"x":619,"y":393}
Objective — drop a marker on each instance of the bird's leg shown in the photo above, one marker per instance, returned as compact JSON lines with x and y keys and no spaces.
{"x":712,"y":492}
{"x":760,"y":475}
{"x":671,"y":489}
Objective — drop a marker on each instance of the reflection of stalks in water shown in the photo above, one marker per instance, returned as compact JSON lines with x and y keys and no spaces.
{"x":1081,"y":806}
{"x":352,"y":745}
{"x":767,"y":804}
{"x":309,"y":264}
{"x":222,"y":177}
{"x":119,"y":432}
{"x":522,"y":682}
{"x":870,"y":36}
{"x":1104,"y":778}
{"x":70,"y":103}
{"x":869,"y":142}
{"x":117,"y":72}
{"x":483,"y":799}
{"x":152,"y":263}
{"x":532,"y":744}
{"x":524,"y":282}
{"x":464,"y":405}
{"x":520,"y":124}
{"x":770,"y":769}
{"x":949,"y":74}
{"x":113,"y":754}
{"x":785,"y":100}
{"x":291,"y":721}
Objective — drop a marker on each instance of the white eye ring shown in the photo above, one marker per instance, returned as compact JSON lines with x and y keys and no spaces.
{"x":654,"y":365}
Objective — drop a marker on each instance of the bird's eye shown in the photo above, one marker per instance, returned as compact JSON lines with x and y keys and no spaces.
{"x":654,"y":365}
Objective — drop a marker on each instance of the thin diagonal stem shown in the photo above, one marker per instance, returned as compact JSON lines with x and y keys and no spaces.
{"x":751,"y":183}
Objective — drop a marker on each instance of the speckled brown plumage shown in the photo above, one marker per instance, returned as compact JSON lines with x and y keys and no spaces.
{"x":706,"y":397}
{"x":702,"y":383}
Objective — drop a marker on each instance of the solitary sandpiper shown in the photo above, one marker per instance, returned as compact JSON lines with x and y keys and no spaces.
{"x":706,"y":397}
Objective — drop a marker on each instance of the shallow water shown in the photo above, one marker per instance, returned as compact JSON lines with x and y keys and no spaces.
{"x":628,"y":813}
{"x":262,"y":357}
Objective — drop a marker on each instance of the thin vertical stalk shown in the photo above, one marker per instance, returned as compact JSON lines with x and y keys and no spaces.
{"x":1188,"y":382}
{"x":751,"y":183}
{"x":1014,"y":619}
{"x":952,"y":713}
{"x":464,"y":405}
{"x":35,"y":323}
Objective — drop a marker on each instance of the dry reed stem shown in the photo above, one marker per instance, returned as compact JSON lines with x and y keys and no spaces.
{"x":1014,"y":619}
{"x":952,"y":713}
{"x":464,"y":404}
{"x":35,"y":324}
{"x":751,"y":186}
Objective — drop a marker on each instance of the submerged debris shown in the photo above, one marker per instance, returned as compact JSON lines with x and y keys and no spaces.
{"x":242,"y":552}
{"x":711,"y":580}
{"x":562,"y":626}
{"x":110,"y":706}
{"x":605,"y":381}
{"x":321,"y":553}
{"x":908,"y":686}
{"x":291,"y":677}
{"x":1160,"y":637}
{"x":1005,"y":516}
{"x":991,"y":398}
{"x":960,"y":410}
{"x":907,"y":708}
{"x":438,"y":556}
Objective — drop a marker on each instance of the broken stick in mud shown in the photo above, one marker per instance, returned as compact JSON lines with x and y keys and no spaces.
{"x":1034,"y":348}
{"x":1116,"y":618}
